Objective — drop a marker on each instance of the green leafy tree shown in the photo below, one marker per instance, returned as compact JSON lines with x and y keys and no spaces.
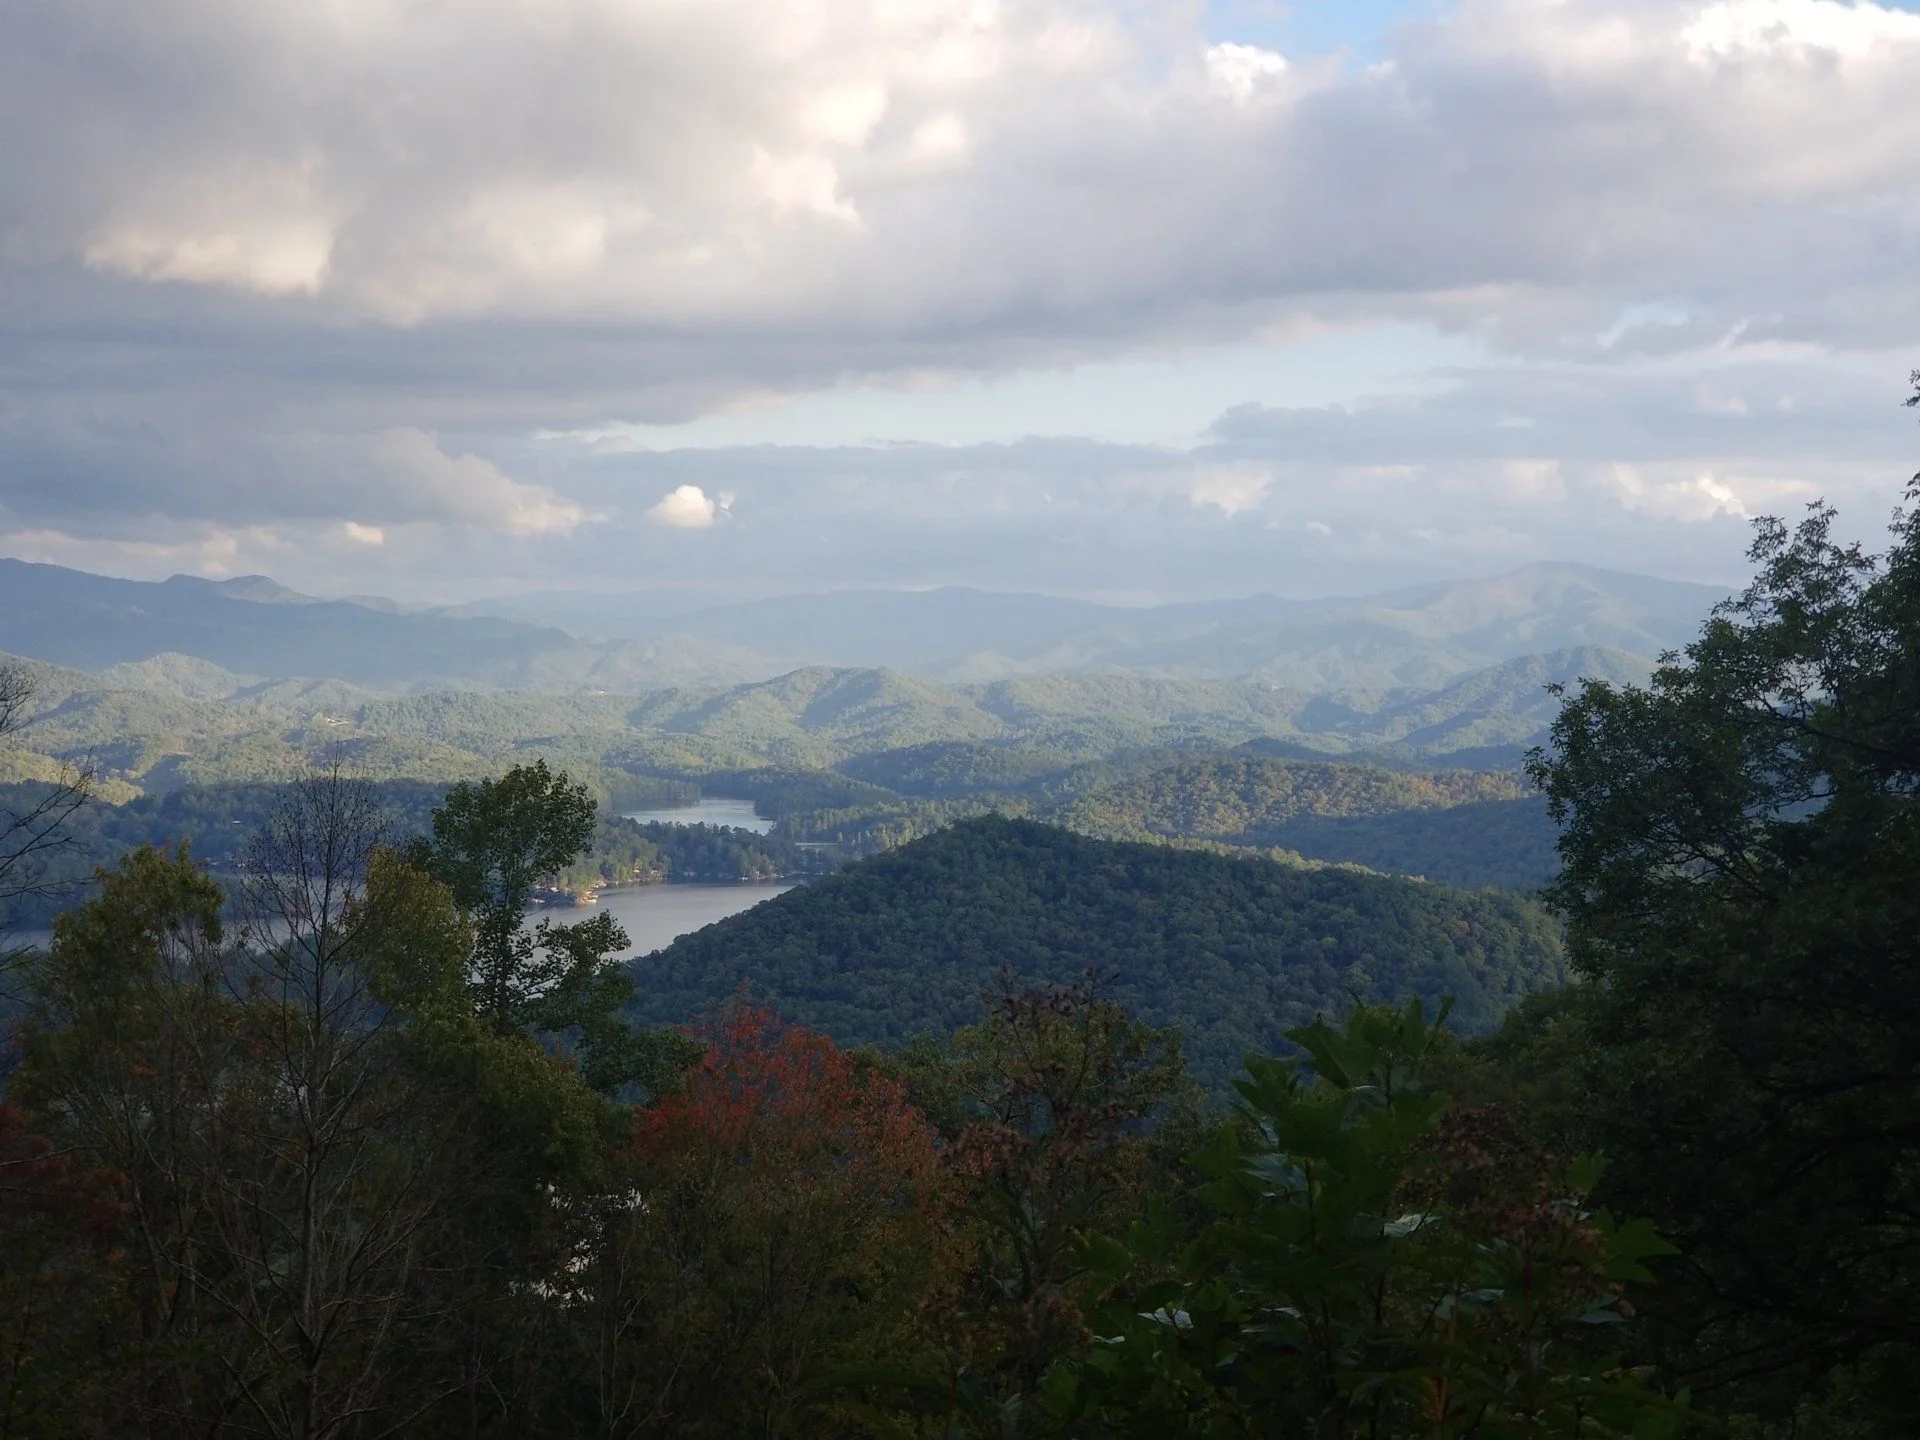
{"x":1382,"y":1265}
{"x":1062,"y":1112}
{"x":36,"y":820}
{"x":131,"y":1051}
{"x":495,"y":843}
{"x":1741,"y":887}
{"x":256,"y":1098}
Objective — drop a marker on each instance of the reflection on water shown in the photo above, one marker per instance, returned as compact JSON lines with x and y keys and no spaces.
{"x":737,"y":813}
{"x":654,"y":916}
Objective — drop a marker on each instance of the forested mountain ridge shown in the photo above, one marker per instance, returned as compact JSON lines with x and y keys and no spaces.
{"x":1430,"y":825}
{"x":258,"y":631}
{"x":156,"y":738}
{"x":1508,"y":844}
{"x":1233,"y":950}
{"x":1242,"y":799}
{"x":1459,"y":827}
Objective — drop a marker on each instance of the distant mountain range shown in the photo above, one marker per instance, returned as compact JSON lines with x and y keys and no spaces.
{"x":204,"y":639}
{"x":257,"y":629}
{"x":1420,"y":637}
{"x":159,"y":724}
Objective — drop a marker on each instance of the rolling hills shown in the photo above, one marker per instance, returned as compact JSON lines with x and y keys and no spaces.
{"x":1234,"y":950}
{"x":1242,"y":799}
{"x":175,"y":733}
{"x":1465,"y":828}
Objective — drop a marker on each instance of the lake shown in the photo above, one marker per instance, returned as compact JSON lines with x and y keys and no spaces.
{"x":654,"y":916}
{"x":737,"y":813}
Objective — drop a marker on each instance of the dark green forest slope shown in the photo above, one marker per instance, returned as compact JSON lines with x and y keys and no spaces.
{"x":1459,"y":827}
{"x":1240,"y":800}
{"x":1504,"y":843}
{"x":1234,"y":950}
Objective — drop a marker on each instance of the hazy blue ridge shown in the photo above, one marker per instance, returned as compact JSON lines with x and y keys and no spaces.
{"x":257,"y":631}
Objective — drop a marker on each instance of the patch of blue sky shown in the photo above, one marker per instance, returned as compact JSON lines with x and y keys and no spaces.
{"x":1166,"y":401}
{"x":1300,"y":28}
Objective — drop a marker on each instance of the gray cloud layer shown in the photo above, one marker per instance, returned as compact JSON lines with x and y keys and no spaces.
{"x":293,"y":287}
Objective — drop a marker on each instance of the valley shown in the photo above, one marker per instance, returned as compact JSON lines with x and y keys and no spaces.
{"x":928,"y":944}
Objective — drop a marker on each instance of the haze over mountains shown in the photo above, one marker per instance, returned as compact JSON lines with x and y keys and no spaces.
{"x":219,"y":638}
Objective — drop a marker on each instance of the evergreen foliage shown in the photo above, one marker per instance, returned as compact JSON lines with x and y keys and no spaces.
{"x":1506,"y":844}
{"x":1243,"y":800}
{"x":1235,"y":951}
{"x":1742,"y":892}
{"x":1380,"y":1264}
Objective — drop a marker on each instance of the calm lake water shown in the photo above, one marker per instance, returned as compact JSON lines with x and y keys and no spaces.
{"x":737,"y":813}
{"x":654,"y":916}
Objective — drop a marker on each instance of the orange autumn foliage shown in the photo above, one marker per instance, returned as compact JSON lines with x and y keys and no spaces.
{"x":768,"y":1095}
{"x":805,"y":1193}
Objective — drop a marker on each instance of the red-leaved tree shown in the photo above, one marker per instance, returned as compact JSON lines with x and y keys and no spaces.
{"x":780,"y":1219}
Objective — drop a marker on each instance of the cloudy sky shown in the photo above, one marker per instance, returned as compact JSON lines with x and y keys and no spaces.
{"x":1133,"y":299}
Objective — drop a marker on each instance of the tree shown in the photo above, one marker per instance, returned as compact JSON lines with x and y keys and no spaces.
{"x":333,"y":1185}
{"x":781,"y":1219}
{"x":494,"y":843}
{"x":1741,"y":886}
{"x":1062,"y":1084}
{"x":254,"y":1101}
{"x":325,"y":1178}
{"x":33,"y":833}
{"x":1062,"y":1113}
{"x":131,"y":1058}
{"x":65,"y":1324}
{"x":1382,"y":1265}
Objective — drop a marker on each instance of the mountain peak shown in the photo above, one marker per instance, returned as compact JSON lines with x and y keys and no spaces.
{"x":263,"y":590}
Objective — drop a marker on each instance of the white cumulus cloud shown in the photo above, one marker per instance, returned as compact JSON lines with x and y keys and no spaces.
{"x":1240,"y":72}
{"x":433,"y":485}
{"x":685,"y":507}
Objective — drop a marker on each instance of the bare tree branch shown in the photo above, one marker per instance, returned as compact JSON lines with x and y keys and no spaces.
{"x":29,"y":836}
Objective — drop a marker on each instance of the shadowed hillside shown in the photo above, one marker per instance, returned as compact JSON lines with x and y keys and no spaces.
{"x":1235,"y":951}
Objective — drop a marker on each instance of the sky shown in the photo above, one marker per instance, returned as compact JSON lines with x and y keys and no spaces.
{"x":1130,"y":299}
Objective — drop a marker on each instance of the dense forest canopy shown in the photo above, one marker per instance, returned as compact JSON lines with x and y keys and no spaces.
{"x":1742,"y":892}
{"x":1424,"y":823}
{"x":1505,"y":844}
{"x":1233,"y":951}
{"x":155,"y":731}
{"x":1243,"y":799}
